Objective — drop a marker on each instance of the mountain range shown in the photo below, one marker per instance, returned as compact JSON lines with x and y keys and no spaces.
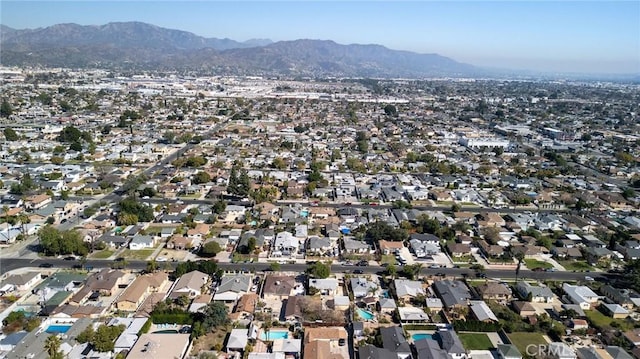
{"x":136,"y":45}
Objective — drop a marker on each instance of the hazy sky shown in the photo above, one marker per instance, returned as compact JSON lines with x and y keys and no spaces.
{"x":576,"y":36}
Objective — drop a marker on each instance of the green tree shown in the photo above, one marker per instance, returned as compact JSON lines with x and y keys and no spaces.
{"x":215,"y":315}
{"x":319,"y":270}
{"x":5,"y":109}
{"x":390,"y":110}
{"x":201,"y":177}
{"x":70,"y":134}
{"x":210,"y":249}
{"x":148,"y":192}
{"x":10,"y":134}
{"x":52,"y":346}
{"x":219,"y":207}
{"x":251,"y":244}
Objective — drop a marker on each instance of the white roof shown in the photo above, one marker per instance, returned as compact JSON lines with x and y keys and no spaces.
{"x":238,"y":338}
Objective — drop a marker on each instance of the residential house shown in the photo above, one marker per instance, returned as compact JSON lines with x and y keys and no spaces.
{"x":407,"y":289}
{"x":22,"y":281}
{"x":232,"y":287}
{"x":137,"y":292}
{"x":628,"y":298}
{"x":453,"y":293}
{"x":393,"y":339}
{"x":450,"y":342}
{"x":389,"y":247}
{"x":238,"y":339}
{"x":200,"y":302}
{"x":534,"y":294}
{"x":352,"y":246}
{"x":597,"y":255}
{"x":423,"y":249}
{"x":326,"y":286}
{"x":434,"y":305}
{"x":412,"y":315}
{"x":482,"y":312}
{"x":429,"y":349}
{"x":190,"y":285}
{"x":293,"y":307}
{"x":160,"y":346}
{"x":37,"y":201}
{"x":281,"y":287}
{"x":362,"y":287}
{"x":105,"y":282}
{"x":458,"y":250}
{"x":494,"y":291}
{"x":615,"y":311}
{"x":581,"y":295}
{"x":324,"y":342}
{"x":179,"y":242}
{"x":140,"y":241}
{"x":319,"y":246}
{"x":525,"y":309}
{"x":285,"y":244}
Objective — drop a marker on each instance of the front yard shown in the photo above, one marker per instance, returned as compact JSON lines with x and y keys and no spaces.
{"x":388,"y":258}
{"x":573,"y":265}
{"x":141,"y":254}
{"x":475,"y":341}
{"x":104,"y":254}
{"x":534,"y":263}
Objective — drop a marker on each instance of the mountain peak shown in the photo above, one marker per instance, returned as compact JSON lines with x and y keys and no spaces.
{"x":149,"y":46}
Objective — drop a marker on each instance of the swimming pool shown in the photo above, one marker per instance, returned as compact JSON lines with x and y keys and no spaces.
{"x":274,"y":334}
{"x":365,"y":314}
{"x":419,"y":336}
{"x":57,"y":328}
{"x":385,"y":293}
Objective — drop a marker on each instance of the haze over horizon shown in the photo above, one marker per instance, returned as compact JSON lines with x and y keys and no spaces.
{"x":578,"y":37}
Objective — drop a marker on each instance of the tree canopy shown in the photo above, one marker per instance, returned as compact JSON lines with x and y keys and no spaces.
{"x":319,"y":270}
{"x":55,"y":242}
{"x":10,"y":134}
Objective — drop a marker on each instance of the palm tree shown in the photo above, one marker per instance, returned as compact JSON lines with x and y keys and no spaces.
{"x":519,"y":255}
{"x":24,"y":220}
{"x":266,"y":326}
{"x":52,"y":346}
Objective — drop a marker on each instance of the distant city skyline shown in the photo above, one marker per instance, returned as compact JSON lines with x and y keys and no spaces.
{"x":548,"y":36}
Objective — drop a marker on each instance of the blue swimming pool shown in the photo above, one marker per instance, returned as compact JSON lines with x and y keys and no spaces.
{"x":365,"y":314}
{"x":421,"y":336}
{"x":274,"y":334}
{"x":58,"y":328}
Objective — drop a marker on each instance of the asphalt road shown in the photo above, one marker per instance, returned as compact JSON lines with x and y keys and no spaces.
{"x":9,"y":264}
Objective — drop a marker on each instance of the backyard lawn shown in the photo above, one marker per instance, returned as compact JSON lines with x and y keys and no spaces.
{"x":475,"y":341}
{"x":522,"y":339}
{"x":533,"y":263}
{"x":140,"y":254}
{"x":600,"y":320}
{"x":104,"y":254}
